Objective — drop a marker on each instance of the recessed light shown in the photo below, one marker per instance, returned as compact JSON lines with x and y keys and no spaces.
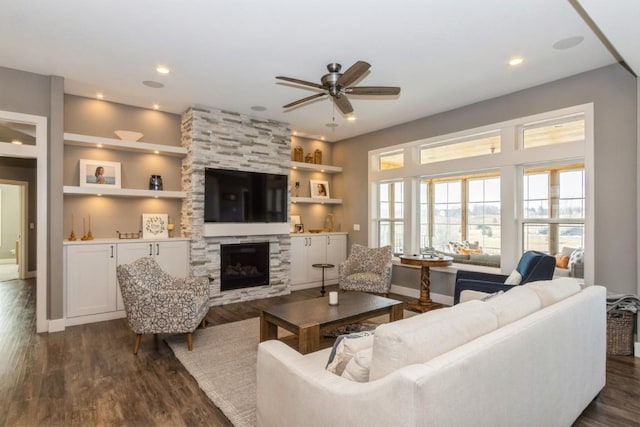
{"x":568,"y":43}
{"x":99,"y":145}
{"x":156,"y":152}
{"x":156,"y":106}
{"x":322,"y":138}
{"x":99,"y":95}
{"x":16,"y":142}
{"x":99,"y":195}
{"x":163,"y":69}
{"x":153,"y":84}
{"x":294,"y":133}
{"x":259,"y":108}
{"x":351,"y":118}
{"x":516,"y":61}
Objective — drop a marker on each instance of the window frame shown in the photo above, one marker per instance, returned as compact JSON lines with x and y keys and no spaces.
{"x":508,"y":163}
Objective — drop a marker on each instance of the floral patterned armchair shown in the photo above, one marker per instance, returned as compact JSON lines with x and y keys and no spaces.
{"x":156,"y":302}
{"x":366,"y":269}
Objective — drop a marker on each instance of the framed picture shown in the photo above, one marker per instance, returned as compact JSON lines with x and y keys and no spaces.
{"x":154,"y":226}
{"x":299,"y":228}
{"x":98,"y":173}
{"x":295,"y":220}
{"x":319,"y":189}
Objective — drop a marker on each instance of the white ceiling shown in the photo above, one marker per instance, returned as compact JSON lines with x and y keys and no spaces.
{"x":225,"y":54}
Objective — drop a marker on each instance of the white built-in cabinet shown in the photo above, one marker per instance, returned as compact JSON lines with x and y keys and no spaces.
{"x":308,"y":249}
{"x":90,"y":282}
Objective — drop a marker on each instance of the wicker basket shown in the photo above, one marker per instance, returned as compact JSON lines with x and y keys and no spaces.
{"x":620,"y":333}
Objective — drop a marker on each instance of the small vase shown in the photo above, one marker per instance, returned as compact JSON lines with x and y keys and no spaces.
{"x":155,"y":182}
{"x":328,"y":223}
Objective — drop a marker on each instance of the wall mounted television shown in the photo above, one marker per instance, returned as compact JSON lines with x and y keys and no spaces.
{"x":232,"y":196}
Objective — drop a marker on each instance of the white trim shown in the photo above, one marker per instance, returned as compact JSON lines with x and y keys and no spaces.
{"x":56,"y":325}
{"x":92,"y":318}
{"x":215,"y":229}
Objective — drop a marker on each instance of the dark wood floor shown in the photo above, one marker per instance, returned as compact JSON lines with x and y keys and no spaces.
{"x":88,"y":375}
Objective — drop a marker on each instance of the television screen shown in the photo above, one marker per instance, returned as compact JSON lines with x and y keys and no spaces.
{"x":242,"y":196}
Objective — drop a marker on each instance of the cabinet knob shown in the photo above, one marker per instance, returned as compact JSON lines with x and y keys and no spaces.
{"x":150,"y":249}
{"x":111,"y":251}
{"x":328,"y":240}
{"x":157,"y":249}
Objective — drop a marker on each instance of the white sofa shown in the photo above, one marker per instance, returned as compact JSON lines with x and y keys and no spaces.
{"x":532,"y":356}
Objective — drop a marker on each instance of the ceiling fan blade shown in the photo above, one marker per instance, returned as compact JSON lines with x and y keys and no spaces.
{"x":300,"y":101}
{"x":373,"y":90}
{"x":343,"y":104}
{"x":300,"y":82}
{"x":353,"y":73}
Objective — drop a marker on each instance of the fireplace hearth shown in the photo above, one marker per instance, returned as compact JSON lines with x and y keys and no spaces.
{"x":244,"y":265}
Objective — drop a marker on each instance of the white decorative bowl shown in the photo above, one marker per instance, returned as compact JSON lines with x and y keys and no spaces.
{"x":128,"y":135}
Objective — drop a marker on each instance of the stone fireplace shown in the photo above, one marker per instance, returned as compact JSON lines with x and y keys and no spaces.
{"x":221,"y":139}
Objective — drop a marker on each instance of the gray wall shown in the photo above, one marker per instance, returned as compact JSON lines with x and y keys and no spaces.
{"x":612,"y":90}
{"x":9,"y":219}
{"x":35,"y":94}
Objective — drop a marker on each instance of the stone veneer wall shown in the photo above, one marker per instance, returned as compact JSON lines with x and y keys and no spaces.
{"x":225,"y":140}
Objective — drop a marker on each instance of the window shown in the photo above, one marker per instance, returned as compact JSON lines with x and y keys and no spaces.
{"x":480,"y":185}
{"x":555,"y":131}
{"x":463,"y":208}
{"x":391,"y":215}
{"x":475,"y":145}
{"x":391,"y":161}
{"x":554,"y":208}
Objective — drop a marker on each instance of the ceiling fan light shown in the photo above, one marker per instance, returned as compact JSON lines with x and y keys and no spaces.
{"x":517,"y":60}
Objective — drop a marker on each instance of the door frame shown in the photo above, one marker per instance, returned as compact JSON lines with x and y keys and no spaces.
{"x":38,"y":152}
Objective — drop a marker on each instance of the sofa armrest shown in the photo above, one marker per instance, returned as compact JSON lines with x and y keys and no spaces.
{"x":295,"y":389}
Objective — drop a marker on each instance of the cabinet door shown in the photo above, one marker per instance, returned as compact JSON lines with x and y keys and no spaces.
{"x":173,"y":257}
{"x":336,"y":253}
{"x":91,"y":279}
{"x":317,"y":251}
{"x":127,"y":253}
{"x":299,"y":264}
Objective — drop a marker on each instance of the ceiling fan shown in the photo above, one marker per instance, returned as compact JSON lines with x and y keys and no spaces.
{"x":336,"y":85}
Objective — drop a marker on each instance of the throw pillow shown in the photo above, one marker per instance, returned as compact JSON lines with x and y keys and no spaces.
{"x":358,"y":367}
{"x":345,"y":347}
{"x":457,"y":247}
{"x":562,"y":261}
{"x":514,"y":278}
{"x":577,"y":257}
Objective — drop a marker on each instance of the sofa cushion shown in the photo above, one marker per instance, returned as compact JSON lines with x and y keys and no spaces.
{"x":358,"y":367}
{"x":345,"y":347}
{"x":514,"y":304}
{"x":420,"y":338}
{"x":552,"y":291}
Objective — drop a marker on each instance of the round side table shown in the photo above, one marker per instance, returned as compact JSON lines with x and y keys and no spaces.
{"x":323,"y":267}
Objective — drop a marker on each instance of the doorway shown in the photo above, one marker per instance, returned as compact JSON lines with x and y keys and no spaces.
{"x":14,"y":253}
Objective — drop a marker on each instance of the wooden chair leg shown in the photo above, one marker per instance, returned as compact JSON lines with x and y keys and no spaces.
{"x":190,"y":341}
{"x":136,"y":344}
{"x":203,"y":324}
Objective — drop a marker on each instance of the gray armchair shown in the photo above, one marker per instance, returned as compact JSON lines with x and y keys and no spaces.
{"x":366,"y":269}
{"x":156,"y":302}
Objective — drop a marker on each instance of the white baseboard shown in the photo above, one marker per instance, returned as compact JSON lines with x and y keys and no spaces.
{"x":8,"y":261}
{"x":56,"y":325}
{"x":415,"y":293}
{"x":636,"y":349}
{"x":310,"y":285}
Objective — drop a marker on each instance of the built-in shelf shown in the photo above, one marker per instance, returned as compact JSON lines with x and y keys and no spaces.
{"x":316,"y":200}
{"x":315,"y":168}
{"x":122,"y":192}
{"x":118,"y":144}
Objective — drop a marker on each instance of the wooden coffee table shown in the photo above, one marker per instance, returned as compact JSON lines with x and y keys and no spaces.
{"x":310,"y":319}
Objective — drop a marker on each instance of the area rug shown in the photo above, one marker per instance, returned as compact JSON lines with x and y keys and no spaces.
{"x":223,"y":363}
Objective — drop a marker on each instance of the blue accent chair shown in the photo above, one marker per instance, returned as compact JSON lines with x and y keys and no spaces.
{"x":533,"y":266}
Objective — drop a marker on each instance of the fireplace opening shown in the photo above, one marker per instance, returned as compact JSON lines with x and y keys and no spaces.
{"x":244,"y":265}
